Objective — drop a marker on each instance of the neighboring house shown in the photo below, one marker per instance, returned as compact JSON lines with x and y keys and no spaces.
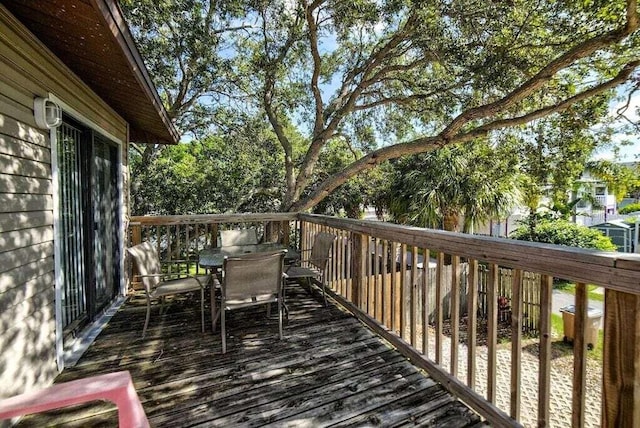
{"x":597,"y":203}
{"x":73,"y":93}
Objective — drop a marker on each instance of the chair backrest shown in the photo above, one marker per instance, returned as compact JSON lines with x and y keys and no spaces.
{"x":321,"y":249}
{"x":252,"y":274}
{"x":148,"y":263}
{"x":238,"y":237}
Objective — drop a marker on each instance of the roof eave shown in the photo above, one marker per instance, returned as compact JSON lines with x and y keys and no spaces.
{"x":114,"y":20}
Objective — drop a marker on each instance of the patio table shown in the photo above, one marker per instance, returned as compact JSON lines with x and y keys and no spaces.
{"x":213,"y":258}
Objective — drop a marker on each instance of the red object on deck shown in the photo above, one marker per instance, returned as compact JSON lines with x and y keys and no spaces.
{"x":115,"y":387}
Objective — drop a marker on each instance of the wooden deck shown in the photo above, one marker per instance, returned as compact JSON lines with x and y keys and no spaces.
{"x":329,"y":370}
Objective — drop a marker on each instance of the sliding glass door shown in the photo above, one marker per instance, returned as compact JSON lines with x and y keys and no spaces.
{"x":88,"y":223}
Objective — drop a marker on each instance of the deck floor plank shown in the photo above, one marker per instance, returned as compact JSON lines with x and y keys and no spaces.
{"x":329,"y":370}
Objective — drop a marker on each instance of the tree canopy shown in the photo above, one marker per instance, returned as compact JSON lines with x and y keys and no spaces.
{"x":389,"y":78}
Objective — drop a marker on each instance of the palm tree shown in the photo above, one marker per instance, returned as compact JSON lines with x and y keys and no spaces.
{"x":466,"y":184}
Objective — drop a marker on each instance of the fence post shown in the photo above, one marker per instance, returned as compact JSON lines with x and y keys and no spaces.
{"x":621,"y":360}
{"x":136,"y":233}
{"x":286,"y":230}
{"x":358,"y":259}
{"x":136,"y":238}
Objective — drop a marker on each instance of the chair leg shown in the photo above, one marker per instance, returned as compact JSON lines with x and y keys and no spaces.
{"x":146,"y":321}
{"x":280,"y":317}
{"x":214,"y":312}
{"x":324,"y":295}
{"x":224,"y":333}
{"x":202,"y":308}
{"x":284,"y":302}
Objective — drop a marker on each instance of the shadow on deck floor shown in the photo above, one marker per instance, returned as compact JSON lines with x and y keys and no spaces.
{"x":328,"y":370}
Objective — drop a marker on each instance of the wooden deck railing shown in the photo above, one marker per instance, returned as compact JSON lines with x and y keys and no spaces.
{"x":420,"y":289}
{"x":179,"y":239}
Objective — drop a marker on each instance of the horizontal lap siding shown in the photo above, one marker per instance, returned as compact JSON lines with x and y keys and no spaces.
{"x":27,"y":272}
{"x":27,"y":308}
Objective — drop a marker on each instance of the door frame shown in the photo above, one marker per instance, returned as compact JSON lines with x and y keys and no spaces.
{"x":81,"y":343}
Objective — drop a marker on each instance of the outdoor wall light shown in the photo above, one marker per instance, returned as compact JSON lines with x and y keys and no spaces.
{"x":47,"y":113}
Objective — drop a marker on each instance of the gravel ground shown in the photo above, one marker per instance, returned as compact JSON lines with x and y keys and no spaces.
{"x":561,"y":375}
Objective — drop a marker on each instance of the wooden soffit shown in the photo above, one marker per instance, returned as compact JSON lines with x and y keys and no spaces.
{"x":93,"y":39}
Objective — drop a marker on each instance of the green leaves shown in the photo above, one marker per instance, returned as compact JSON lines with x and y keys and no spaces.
{"x":469,"y":183}
{"x":563,"y":232}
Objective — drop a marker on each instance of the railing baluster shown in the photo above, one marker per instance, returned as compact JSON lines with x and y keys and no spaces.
{"x":394,"y":293}
{"x":455,"y":313}
{"x":426,"y":291}
{"x":544,"y":373}
{"x":349,"y":284}
{"x":414,"y":296}
{"x":472,"y":319}
{"x":367,"y":298}
{"x":439,"y":305}
{"x":378,"y":281}
{"x":338,"y":250}
{"x":403,"y":291}
{"x":373,"y":289}
{"x":516,"y":342}
{"x":386,"y":289}
{"x":358,"y":254}
{"x":621,"y":367}
{"x":579,"y":356}
{"x":493,"y":282}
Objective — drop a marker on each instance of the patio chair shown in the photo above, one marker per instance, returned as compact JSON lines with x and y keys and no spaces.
{"x":158,"y":285}
{"x":115,"y":387}
{"x":249,"y":280}
{"x":233,"y":237}
{"x":317,"y":262}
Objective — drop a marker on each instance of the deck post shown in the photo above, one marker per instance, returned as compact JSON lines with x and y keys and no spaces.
{"x":358,"y":258}
{"x":136,"y":238}
{"x":621,"y":361}
{"x":136,"y":234}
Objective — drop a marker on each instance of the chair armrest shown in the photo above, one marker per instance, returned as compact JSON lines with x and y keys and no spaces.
{"x":170,"y":276}
{"x":115,"y":387}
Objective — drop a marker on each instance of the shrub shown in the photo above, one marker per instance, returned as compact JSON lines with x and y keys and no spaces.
{"x":563,"y":232}
{"x":630,"y":208}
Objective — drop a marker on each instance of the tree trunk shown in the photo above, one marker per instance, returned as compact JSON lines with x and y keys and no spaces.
{"x":451,"y":222}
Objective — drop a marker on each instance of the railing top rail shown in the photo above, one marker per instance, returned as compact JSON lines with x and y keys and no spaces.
{"x":154,"y":220}
{"x":616,"y":271}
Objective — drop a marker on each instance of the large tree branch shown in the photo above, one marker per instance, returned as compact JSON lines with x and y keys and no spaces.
{"x":367,"y":162}
{"x":319,"y":139}
{"x":268,"y":101}
{"x":426,"y":144}
{"x":620,"y":78}
{"x":399,"y":100}
{"x":315,"y":75}
{"x":407,"y":99}
{"x":581,"y":50}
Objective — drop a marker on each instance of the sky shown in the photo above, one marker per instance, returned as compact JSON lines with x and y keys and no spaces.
{"x":627,"y":152}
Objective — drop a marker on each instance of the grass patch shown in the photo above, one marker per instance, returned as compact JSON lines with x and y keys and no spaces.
{"x":570,"y":288}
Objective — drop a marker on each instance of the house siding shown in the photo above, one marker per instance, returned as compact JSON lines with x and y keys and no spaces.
{"x":27,"y":267}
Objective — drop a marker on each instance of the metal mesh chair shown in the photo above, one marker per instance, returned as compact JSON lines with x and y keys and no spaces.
{"x":317,"y":263}
{"x":249,"y":280}
{"x":158,"y":285}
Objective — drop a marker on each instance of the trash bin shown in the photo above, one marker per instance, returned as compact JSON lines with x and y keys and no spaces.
{"x":591,"y":329}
